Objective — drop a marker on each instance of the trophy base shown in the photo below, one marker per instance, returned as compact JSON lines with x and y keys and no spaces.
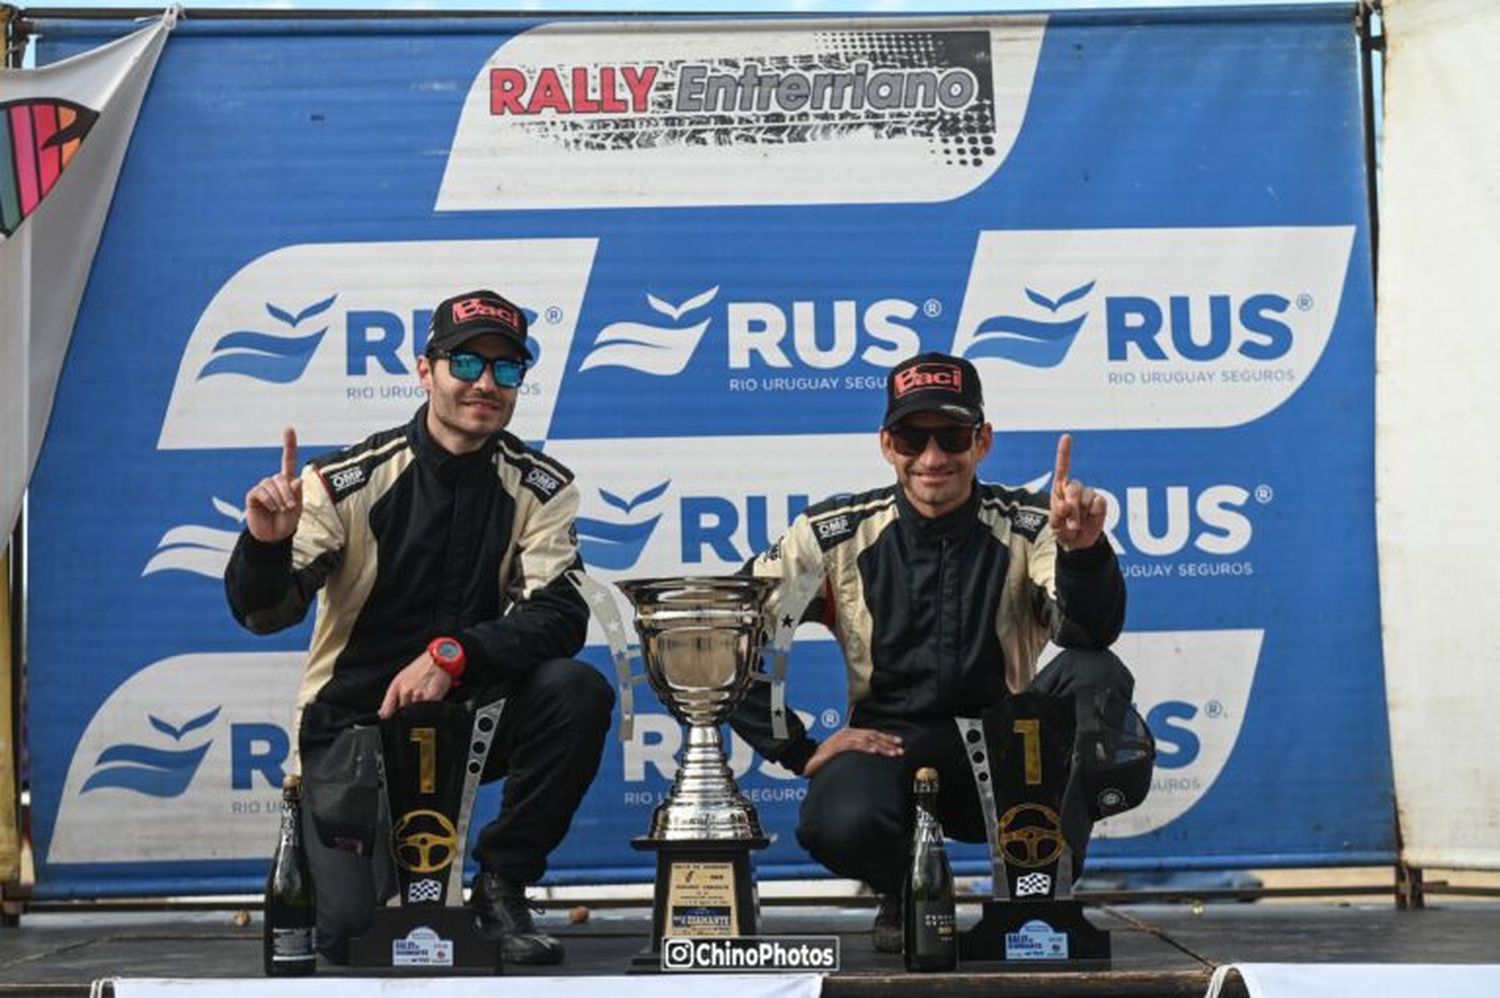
{"x":1036,"y":935}
{"x":704,"y":887}
{"x":424,"y":941}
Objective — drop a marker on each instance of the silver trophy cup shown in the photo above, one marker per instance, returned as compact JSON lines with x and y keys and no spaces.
{"x":701,"y":642}
{"x":701,"y":639}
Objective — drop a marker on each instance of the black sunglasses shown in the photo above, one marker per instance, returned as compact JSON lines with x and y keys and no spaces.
{"x":910,"y":441}
{"x":466,"y":366}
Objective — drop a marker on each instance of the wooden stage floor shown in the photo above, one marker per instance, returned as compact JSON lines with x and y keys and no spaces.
{"x":1159,"y":949}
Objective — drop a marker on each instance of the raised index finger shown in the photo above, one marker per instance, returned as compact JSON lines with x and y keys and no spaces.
{"x":289,"y":453}
{"x":1064,"y":458}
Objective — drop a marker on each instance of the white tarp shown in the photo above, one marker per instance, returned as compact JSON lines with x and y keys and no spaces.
{"x":1367,"y":980}
{"x":1436,"y":427}
{"x":66,"y":127}
{"x":721,"y":986}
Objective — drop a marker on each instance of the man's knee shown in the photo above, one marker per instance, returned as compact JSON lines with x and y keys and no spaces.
{"x":577,"y":689}
{"x":841,"y":827}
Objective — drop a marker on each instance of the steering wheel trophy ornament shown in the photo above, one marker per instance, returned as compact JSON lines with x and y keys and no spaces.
{"x":701,"y":639}
{"x":1041,"y":790}
{"x":433,"y":758}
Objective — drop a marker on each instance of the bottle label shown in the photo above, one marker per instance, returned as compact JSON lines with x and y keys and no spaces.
{"x":938,"y":921}
{"x":929,"y":833}
{"x":291,"y":826}
{"x":292,"y":945}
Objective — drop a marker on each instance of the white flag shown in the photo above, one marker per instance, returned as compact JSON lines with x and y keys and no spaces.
{"x":64,"y":129}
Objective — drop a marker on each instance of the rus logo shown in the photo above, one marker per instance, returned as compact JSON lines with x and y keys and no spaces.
{"x":614,"y":544}
{"x":198,"y":549}
{"x":201,"y":782}
{"x":1027,"y":340}
{"x":1151,"y":328}
{"x":339,"y":365}
{"x":279,"y":358}
{"x":662,"y":350}
{"x":146,"y":769}
{"x":777,"y":336}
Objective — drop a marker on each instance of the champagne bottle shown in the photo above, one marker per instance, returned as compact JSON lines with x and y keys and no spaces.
{"x":290,"y":915}
{"x":930,"y":939}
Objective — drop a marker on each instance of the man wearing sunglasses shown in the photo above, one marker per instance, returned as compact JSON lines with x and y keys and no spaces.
{"x":436,"y":551}
{"x":942,"y":591}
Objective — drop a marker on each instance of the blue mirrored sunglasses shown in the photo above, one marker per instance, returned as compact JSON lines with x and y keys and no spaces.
{"x":466,"y":366}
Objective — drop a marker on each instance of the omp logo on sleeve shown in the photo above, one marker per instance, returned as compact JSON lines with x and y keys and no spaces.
{"x":1028,"y":520}
{"x":741,"y":112}
{"x":834,"y":528}
{"x":543,"y":484}
{"x":38,"y":140}
{"x":345,"y":479}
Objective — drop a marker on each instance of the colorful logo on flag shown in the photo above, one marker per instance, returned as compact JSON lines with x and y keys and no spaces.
{"x":38,"y":139}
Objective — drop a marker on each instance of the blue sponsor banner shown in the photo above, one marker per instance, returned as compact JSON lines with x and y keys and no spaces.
{"x":1150,"y":230}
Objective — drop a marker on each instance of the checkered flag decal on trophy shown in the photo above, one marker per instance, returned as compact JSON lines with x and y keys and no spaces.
{"x":424,"y":890}
{"x":1032,"y":884}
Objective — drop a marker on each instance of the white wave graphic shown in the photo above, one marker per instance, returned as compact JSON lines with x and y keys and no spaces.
{"x":650,"y":349}
{"x":198,"y":549}
{"x":218,"y":817}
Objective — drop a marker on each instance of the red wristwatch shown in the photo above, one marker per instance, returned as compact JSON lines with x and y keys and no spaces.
{"x":449,"y":656}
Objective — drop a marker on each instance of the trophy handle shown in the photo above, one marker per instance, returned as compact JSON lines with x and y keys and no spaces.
{"x":602,"y":604}
{"x":795,"y":596}
{"x":971,"y":732}
{"x":486,"y":721}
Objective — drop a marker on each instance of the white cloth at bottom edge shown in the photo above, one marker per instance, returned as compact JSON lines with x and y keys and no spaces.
{"x":1366,"y":980}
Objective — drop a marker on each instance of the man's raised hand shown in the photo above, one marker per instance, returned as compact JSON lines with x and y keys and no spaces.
{"x":274,"y":505}
{"x":1077,"y":511}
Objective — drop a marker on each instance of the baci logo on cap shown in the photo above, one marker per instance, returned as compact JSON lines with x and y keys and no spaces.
{"x":474,"y":308}
{"x":924,"y":376}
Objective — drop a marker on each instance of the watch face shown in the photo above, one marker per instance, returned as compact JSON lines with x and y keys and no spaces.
{"x":449,"y":649}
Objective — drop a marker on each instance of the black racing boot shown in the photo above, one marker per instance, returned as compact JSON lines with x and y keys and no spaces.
{"x":504,"y":915}
{"x":888,"y":932}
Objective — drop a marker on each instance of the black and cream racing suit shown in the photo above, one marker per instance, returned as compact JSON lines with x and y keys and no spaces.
{"x":937,"y":618}
{"x":401,"y":541}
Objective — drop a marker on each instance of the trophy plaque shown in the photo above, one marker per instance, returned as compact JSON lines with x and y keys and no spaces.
{"x":701,"y":639}
{"x":1038,"y":824}
{"x":434,"y":756}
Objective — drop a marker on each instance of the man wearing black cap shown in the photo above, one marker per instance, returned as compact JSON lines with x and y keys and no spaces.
{"x":439,"y":548}
{"x":942,"y":591}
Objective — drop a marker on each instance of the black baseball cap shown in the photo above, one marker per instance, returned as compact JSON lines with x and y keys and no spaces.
{"x":459,"y":319}
{"x":934,"y":382}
